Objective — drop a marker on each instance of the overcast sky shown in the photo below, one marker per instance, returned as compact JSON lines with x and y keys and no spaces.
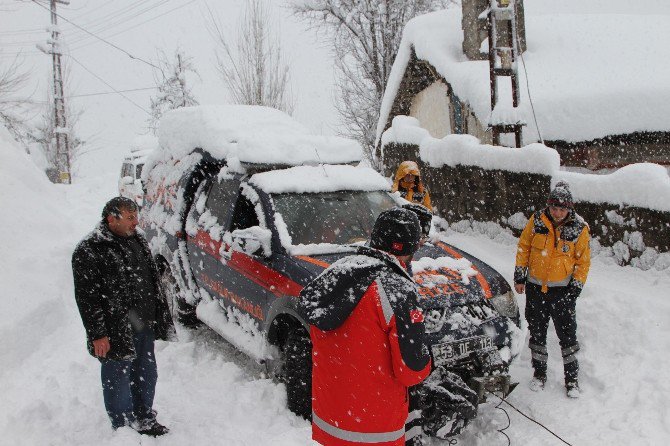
{"x":140,"y":28}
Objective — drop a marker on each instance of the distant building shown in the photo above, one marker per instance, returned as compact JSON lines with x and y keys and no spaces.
{"x":599,"y":81}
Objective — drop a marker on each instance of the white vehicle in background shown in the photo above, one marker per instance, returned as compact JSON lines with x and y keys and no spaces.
{"x":130,"y":180}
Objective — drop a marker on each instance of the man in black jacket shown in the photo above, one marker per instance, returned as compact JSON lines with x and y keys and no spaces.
{"x":123,"y":309}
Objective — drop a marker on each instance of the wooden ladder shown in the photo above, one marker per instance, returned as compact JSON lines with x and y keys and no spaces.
{"x":503,"y":63}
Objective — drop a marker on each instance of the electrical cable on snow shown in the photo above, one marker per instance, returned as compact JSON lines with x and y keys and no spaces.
{"x":527,"y":417}
{"x":509,"y":423}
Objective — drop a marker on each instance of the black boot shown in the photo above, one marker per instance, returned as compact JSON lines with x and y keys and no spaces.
{"x":572,"y":389}
{"x":154,"y":430}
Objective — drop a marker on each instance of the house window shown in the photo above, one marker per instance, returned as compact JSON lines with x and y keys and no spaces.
{"x":459,"y":114}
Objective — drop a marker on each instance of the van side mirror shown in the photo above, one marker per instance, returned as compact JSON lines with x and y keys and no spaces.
{"x":252,"y":241}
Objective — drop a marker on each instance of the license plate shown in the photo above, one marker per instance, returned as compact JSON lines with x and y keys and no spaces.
{"x":452,"y":351}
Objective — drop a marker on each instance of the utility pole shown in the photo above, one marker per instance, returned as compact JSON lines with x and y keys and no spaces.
{"x":60,"y":125}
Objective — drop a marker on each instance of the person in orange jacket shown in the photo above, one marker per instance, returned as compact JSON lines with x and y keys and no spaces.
{"x":408,"y":183}
{"x":552,"y":264}
{"x":367,"y":332}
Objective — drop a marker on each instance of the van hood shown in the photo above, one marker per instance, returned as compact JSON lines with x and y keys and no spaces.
{"x":445,"y":276}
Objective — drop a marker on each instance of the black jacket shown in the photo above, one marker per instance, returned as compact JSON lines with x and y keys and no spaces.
{"x":105,"y":292}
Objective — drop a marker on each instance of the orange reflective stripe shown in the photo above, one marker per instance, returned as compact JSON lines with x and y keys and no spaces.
{"x":313,"y":261}
{"x":480,"y":277}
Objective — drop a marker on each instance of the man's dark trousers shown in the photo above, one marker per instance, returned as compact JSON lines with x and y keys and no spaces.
{"x":558,"y":305}
{"x":128,"y":386}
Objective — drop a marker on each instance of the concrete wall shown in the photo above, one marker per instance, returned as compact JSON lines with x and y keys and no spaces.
{"x":476,"y":194}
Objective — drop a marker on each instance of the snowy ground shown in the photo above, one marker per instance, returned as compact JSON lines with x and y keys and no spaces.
{"x":209,"y":394}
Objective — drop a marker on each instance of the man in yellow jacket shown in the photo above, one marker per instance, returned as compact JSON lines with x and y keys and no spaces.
{"x":408,"y":182}
{"x":552,"y":263}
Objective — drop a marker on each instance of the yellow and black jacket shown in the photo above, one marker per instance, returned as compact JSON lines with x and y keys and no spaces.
{"x":416,"y":193}
{"x":551,"y":255}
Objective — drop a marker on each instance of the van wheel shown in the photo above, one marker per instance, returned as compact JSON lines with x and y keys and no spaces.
{"x":181,"y":311}
{"x":298,"y":373}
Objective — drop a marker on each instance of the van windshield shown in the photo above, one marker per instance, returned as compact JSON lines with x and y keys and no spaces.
{"x":331,"y":217}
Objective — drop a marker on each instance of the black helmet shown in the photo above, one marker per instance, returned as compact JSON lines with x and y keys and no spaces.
{"x":425,"y":216}
{"x":396,"y":231}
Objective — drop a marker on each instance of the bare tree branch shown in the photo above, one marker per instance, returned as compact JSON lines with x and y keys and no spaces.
{"x":253,"y":68}
{"x":14,"y":106}
{"x":366,"y":35}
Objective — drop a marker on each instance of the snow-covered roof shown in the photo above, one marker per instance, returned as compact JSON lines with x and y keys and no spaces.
{"x":325,"y":178}
{"x":592,"y":71}
{"x":251,"y":134}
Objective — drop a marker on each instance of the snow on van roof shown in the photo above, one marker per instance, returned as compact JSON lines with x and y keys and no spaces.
{"x":252,"y":134}
{"x":591,"y":73}
{"x":144,"y":143}
{"x":324,"y":178}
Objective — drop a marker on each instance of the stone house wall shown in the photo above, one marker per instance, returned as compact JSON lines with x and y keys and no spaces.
{"x":477,"y":194}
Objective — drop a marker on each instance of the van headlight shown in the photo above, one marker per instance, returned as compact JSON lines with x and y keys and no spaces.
{"x":506,"y":304}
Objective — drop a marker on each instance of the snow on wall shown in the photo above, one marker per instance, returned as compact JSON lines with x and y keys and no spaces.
{"x":453,"y":150}
{"x":252,"y":134}
{"x":325,"y":178}
{"x":404,"y":130}
{"x":643,"y":185}
{"x":591,"y":74}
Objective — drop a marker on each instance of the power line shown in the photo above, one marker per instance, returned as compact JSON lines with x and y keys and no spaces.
{"x":111,"y":20}
{"x":100,"y":93}
{"x":106,"y":83}
{"x":99,"y":38}
{"x":530,"y":98}
{"x":141,"y":23}
{"x":111,"y":92}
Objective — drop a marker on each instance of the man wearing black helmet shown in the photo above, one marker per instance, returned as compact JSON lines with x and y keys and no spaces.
{"x":123,"y":310}
{"x":552,"y":263}
{"x":367,"y":335}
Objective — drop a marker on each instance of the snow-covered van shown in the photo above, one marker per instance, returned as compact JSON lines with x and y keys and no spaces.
{"x":130,"y":179}
{"x":244,"y":208}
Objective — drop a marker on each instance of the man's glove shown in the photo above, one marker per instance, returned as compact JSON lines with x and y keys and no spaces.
{"x":520,"y":274}
{"x":447,"y":403}
{"x":574,"y":288}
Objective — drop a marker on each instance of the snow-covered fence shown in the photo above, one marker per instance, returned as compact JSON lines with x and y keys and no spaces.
{"x":628,"y":210}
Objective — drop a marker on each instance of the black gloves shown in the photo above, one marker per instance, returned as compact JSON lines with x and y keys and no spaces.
{"x":574,"y":289}
{"x":520,"y":274}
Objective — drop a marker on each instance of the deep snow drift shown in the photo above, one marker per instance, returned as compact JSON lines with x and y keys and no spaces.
{"x":209,"y":394}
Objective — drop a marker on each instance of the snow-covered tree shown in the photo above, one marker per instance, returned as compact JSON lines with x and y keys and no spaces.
{"x":365,"y":39}
{"x":173,"y":90}
{"x":13,"y":106}
{"x":253,"y":68}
